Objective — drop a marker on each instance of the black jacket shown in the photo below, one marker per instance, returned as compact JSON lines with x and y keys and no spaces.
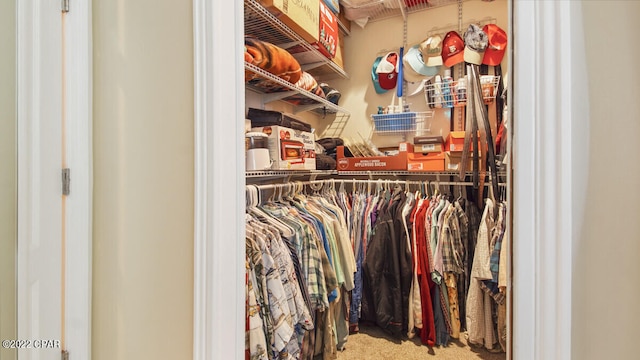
{"x":387,"y":271}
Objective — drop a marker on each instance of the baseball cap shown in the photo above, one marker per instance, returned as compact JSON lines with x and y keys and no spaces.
{"x":431,"y":50}
{"x":374,"y":76}
{"x":497,"y":45}
{"x":387,"y":71}
{"x":415,"y":87}
{"x":414,"y":60}
{"x":452,"y":49}
{"x":476,"y":42}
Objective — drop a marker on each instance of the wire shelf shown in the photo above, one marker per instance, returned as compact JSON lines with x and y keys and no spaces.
{"x":454,"y":94}
{"x":276,"y":88}
{"x":376,"y":10}
{"x":401,"y":123}
{"x":260,"y":23}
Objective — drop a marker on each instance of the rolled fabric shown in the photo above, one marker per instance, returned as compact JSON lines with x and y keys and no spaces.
{"x":272,"y":59}
{"x":309,"y":83}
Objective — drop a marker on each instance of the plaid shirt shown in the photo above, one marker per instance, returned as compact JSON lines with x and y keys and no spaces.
{"x":452,"y":246}
{"x":262,"y":299}
{"x":255,"y":335}
{"x":309,"y":255}
{"x":277,"y":294}
{"x":302,"y":319}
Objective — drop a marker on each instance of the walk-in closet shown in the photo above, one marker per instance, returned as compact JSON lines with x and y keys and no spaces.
{"x":378,"y":179}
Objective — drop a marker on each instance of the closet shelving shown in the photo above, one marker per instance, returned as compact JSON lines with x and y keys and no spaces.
{"x":274,"y":88}
{"x":260,"y":22}
{"x":375,"y":10}
{"x":271,"y":174}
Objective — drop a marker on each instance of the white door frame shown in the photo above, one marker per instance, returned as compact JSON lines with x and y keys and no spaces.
{"x":40,"y":105}
{"x":543,"y":149}
{"x":219,"y":267}
{"x":79,"y":206}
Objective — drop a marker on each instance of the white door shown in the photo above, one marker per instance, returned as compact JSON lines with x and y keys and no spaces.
{"x":54,"y":132}
{"x":40,"y":212}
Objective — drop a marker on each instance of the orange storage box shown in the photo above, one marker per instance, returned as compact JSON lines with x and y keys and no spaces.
{"x":455,"y":141}
{"x":425,"y":162}
{"x":373,"y":163}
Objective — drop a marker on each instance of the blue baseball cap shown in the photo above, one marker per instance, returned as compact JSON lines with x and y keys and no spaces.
{"x":374,"y":76}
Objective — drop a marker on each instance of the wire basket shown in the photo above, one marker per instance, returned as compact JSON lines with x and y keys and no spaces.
{"x":400,"y":123}
{"x":455,"y":93}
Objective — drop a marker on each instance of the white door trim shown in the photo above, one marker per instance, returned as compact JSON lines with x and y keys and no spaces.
{"x":79,"y":203}
{"x":39,"y":163}
{"x":40,"y":100}
{"x":542,"y":180}
{"x":219,"y":267}
{"x":546,"y":166}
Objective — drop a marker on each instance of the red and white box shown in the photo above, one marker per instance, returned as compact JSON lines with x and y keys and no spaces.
{"x":328,"y":38}
{"x":290,"y":149}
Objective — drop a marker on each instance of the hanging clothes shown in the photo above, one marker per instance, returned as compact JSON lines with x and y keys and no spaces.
{"x":301,"y":243}
{"x":479,"y":312}
{"x":319,"y":264}
{"x":420,"y":234}
{"x":387,"y":268}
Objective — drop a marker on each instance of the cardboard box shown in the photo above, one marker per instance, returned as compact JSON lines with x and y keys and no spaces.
{"x":427,"y":144}
{"x":455,"y":141}
{"x":374,"y":163}
{"x":334,"y":5}
{"x":290,"y":149}
{"x":328,"y":39}
{"x":452,"y":161}
{"x":343,"y":19}
{"x":303,"y":17}
{"x":427,"y":148}
{"x":338,"y":59}
{"x":425,"y":162}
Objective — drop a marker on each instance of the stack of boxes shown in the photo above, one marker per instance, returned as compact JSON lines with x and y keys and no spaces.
{"x":453,"y":151}
{"x":315,"y":21}
{"x":427,"y":154}
{"x":289,"y":149}
{"x":431,"y":153}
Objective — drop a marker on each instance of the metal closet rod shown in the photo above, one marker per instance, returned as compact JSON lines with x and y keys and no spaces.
{"x":372,"y":182}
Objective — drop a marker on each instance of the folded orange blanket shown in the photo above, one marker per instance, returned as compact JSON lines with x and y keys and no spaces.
{"x":271,"y":58}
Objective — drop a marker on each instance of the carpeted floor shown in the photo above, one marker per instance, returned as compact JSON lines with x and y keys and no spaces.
{"x":373,"y":343}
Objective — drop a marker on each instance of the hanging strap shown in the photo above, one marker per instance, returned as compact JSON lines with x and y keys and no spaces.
{"x":499,"y":99}
{"x":491,"y":158}
{"x":480,"y":118}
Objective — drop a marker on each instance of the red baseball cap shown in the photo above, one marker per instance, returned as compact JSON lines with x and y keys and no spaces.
{"x":452,"y":49}
{"x":497,"y":45}
{"x":388,"y":71}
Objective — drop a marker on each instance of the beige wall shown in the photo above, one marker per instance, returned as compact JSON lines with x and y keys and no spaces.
{"x":363,"y":45}
{"x":606,"y":276}
{"x":143,"y":180}
{"x":8,"y":154}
